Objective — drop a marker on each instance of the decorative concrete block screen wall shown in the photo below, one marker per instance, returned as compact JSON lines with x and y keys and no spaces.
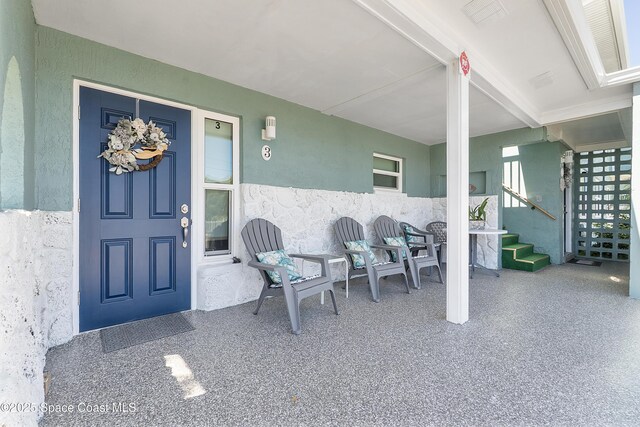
{"x":603,"y":204}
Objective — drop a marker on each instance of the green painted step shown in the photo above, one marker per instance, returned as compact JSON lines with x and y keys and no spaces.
{"x":509,"y":239}
{"x":520,"y":250}
{"x":520,"y":256}
{"x":534,"y":262}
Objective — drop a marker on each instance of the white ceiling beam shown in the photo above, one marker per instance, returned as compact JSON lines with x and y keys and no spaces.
{"x":438,"y":41}
{"x":623,"y":77}
{"x":601,"y":146}
{"x":594,"y":108}
{"x":626,"y":122}
{"x":556,"y":133}
{"x":570,"y":20}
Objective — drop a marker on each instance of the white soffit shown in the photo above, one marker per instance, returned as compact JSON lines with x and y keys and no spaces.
{"x":600,"y":19}
{"x":571,"y":21}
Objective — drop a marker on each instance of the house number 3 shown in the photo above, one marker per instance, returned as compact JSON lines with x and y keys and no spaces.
{"x":266,"y":152}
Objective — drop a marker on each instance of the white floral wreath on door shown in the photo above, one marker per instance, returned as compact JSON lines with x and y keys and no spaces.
{"x":122,"y":151}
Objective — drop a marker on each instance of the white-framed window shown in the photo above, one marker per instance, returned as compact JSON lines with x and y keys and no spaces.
{"x":218,"y":183}
{"x":387,"y":173}
{"x":512,"y":177}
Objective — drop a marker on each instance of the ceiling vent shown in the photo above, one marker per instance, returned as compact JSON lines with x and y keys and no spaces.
{"x":542,"y":80}
{"x":483,"y":11}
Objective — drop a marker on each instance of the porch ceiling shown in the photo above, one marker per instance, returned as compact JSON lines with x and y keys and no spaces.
{"x":611,"y":130}
{"x":335,"y":57}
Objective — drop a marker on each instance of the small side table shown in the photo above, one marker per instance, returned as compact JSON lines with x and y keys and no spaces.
{"x":473,"y":247}
{"x":333,"y":260}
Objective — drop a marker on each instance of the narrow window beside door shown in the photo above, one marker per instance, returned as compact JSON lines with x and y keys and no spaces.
{"x":219,"y":184}
{"x":512,"y":177}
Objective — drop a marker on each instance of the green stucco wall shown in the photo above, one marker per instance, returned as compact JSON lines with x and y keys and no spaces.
{"x":540,"y":160}
{"x":312,"y":150}
{"x":17,"y":108}
{"x":485,"y":153}
{"x":541,"y":171}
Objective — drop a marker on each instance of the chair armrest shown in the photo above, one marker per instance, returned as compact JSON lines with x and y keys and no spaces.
{"x":352,"y":252}
{"x":385,"y":247}
{"x":418,"y":245}
{"x":421,"y":234}
{"x":268,"y":267}
{"x":429,"y":247}
{"x":323,"y":260}
{"x":282,"y":271}
{"x":311,"y":257}
{"x":396,"y":249}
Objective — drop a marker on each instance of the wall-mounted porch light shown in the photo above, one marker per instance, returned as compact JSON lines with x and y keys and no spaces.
{"x":269,"y":132}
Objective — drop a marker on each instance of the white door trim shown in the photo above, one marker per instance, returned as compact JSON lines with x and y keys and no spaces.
{"x":195,"y":208}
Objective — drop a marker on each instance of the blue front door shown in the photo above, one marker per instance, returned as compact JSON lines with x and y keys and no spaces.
{"x":132,"y":261}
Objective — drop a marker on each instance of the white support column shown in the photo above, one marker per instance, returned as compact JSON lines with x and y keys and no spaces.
{"x":634,"y":252}
{"x":457,"y":194}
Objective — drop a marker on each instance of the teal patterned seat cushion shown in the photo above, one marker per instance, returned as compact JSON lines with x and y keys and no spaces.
{"x":360,"y":245}
{"x":409,"y":229}
{"x":396,"y":241}
{"x":279,"y":257}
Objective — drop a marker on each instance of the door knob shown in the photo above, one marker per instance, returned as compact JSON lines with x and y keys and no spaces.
{"x":184,"y":223}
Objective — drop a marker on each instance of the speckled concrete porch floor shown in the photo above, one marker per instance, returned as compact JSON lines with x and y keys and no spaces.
{"x":558,"y":347}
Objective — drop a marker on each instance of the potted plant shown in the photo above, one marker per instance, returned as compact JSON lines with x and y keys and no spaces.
{"x":478,"y":215}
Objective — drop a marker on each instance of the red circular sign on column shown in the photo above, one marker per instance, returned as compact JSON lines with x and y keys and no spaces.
{"x":464,"y":63}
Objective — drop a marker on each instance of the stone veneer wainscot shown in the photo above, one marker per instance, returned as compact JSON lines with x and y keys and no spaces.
{"x":306,"y":218}
{"x":35,"y":303}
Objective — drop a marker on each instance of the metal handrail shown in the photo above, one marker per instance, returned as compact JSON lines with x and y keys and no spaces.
{"x":524,"y":199}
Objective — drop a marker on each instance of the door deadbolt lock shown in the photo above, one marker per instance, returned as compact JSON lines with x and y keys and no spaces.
{"x":184,"y":208}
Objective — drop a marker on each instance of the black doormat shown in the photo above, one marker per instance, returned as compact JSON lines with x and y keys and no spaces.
{"x":585,"y":262}
{"x":141,"y":331}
